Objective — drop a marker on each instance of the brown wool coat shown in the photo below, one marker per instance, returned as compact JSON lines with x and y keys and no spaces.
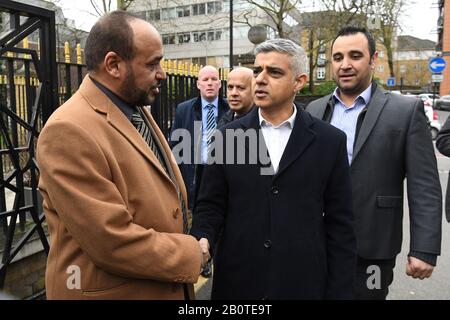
{"x":111,"y":209}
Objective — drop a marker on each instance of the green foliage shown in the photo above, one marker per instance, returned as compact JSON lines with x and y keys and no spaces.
{"x":320,"y":90}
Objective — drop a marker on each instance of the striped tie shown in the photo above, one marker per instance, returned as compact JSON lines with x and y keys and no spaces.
{"x":139,"y":123}
{"x":210,"y":126}
{"x":144,"y":130}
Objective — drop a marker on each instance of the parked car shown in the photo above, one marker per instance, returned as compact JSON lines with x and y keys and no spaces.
{"x":433,"y":119}
{"x":443,"y":103}
{"x":429,"y":97}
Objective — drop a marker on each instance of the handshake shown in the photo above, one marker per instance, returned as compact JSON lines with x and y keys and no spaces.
{"x":204,"y":249}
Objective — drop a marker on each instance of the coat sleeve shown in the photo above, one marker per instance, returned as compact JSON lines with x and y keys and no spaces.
{"x":443,"y":139}
{"x":424,"y":188}
{"x":77,"y":184}
{"x":339,"y":228}
{"x":211,"y":205}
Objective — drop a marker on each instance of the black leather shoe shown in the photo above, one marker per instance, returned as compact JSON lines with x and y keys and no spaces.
{"x":206,"y":272}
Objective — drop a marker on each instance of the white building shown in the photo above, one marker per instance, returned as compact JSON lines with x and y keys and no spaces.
{"x":197,"y":31}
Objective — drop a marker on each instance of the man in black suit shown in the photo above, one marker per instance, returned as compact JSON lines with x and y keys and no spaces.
{"x":281,"y":202}
{"x":239,"y":94}
{"x":387,"y":140}
{"x":443,"y":145}
{"x":195,"y":111}
{"x":199,"y":116}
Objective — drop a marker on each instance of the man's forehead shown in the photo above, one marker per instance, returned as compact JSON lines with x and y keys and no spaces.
{"x":351,"y":42}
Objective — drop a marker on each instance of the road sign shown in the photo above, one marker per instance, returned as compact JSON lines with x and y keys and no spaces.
{"x":391,"y":82}
{"x":437,"y":77}
{"x":437,"y":64}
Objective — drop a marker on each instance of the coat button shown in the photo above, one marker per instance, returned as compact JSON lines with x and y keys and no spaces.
{"x":267,"y":244}
{"x":176,"y":212}
{"x":275,"y":190}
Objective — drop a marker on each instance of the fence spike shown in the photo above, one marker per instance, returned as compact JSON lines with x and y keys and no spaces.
{"x":79,"y":60}
{"x":67,"y":52}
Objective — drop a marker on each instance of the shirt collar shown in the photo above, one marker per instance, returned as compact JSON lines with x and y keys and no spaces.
{"x":289,"y":122}
{"x":205,"y":103}
{"x":365,"y":96}
{"x":122,"y":105}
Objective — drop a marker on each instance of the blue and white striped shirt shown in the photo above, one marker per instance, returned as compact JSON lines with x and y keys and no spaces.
{"x":346,"y":118}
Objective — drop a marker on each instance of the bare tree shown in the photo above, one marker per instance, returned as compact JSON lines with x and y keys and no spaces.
{"x":276,"y":10}
{"x":388,"y":12}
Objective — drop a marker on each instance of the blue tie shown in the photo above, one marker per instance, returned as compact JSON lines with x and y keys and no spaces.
{"x":210,"y":126}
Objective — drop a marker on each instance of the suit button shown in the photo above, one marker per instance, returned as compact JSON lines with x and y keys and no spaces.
{"x":176,"y":212}
{"x":267,"y":244}
{"x":275,"y":190}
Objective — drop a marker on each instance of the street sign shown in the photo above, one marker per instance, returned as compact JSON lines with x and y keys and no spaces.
{"x":437,"y":77}
{"x":391,"y":82}
{"x":437,"y":64}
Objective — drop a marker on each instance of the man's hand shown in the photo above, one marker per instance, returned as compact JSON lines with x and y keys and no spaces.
{"x":418,"y":269}
{"x":204,"y":247}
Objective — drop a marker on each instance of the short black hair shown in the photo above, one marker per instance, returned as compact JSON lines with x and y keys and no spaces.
{"x":112,"y":32}
{"x":350,"y":30}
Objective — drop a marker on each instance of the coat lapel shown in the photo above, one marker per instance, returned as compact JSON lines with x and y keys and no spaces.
{"x":301,"y":137}
{"x":115,"y":117}
{"x":168,"y":152}
{"x":251,"y":121}
{"x":374,"y":108}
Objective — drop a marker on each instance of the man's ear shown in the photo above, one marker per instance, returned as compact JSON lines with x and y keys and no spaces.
{"x":300,"y":82}
{"x":374,"y":60}
{"x":114,"y":64}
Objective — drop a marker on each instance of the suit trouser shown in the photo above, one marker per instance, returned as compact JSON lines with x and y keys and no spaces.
{"x":373,"y":278}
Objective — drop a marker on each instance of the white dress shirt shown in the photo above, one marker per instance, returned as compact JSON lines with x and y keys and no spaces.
{"x":276,"y":137}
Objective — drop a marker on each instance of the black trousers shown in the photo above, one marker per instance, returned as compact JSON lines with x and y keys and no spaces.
{"x":373,"y":278}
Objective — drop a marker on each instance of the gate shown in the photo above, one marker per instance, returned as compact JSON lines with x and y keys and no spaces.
{"x":28,"y":96}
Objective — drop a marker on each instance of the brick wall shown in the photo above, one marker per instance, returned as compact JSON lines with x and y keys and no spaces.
{"x":445,"y":85}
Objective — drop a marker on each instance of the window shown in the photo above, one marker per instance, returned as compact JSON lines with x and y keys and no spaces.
{"x":184,"y":11}
{"x":218,"y":35}
{"x":321,"y":73}
{"x":211,"y":36}
{"x":214,"y":7}
{"x":168,"y":13}
{"x":321,"y":59}
{"x":184,"y":38}
{"x":154,"y":15}
{"x":199,"y":36}
{"x":381,"y":68}
{"x":381,"y":53}
{"x":168,"y":39}
{"x":198,"y":9}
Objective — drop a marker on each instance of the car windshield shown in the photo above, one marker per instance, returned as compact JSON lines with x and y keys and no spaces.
{"x":446,"y":97}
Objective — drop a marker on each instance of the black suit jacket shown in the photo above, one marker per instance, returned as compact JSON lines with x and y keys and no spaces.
{"x":443,"y":145}
{"x":283,"y":236}
{"x":393,"y":142}
{"x":186,"y":114}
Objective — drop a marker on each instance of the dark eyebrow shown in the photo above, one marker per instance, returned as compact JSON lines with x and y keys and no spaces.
{"x":274,"y":69}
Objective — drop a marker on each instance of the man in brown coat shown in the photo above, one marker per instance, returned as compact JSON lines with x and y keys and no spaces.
{"x":114,"y":198}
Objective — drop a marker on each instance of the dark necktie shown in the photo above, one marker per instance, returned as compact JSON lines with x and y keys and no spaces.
{"x":210,"y":126}
{"x":142,"y":127}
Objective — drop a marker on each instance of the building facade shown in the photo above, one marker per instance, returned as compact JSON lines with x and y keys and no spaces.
{"x":444,"y":42}
{"x":198,"y":31}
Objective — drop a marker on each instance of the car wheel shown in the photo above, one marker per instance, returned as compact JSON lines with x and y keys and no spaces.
{"x":434,"y":133}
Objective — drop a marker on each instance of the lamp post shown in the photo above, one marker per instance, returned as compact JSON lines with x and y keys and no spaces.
{"x":231,"y":34}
